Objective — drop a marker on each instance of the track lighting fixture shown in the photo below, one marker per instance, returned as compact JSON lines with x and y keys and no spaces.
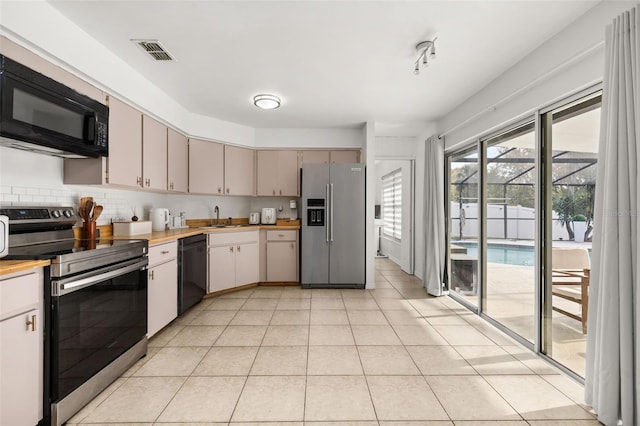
{"x":426,"y":49}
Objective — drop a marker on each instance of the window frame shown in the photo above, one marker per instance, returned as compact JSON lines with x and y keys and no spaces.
{"x":392,"y":181}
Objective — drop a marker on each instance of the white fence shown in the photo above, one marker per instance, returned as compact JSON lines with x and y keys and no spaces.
{"x":519,"y":223}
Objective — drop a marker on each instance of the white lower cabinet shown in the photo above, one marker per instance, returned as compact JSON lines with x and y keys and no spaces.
{"x":233,"y":259}
{"x":21,"y":343}
{"x":282,"y":256}
{"x":162,"y":299}
{"x":247,"y":258}
{"x":222,"y":268}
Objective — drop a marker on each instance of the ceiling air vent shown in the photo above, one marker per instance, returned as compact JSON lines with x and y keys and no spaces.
{"x":155,"y":49}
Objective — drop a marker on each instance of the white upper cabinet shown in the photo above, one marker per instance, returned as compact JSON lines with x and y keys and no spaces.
{"x":154,"y":154}
{"x":277,"y":172}
{"x":315,"y":157}
{"x":239,"y":170}
{"x":177,"y":162}
{"x":125,"y":144}
{"x":206,"y":167}
{"x":345,"y":156}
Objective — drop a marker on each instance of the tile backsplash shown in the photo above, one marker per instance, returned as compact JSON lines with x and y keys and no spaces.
{"x":117,"y":203}
{"x":35,"y":179}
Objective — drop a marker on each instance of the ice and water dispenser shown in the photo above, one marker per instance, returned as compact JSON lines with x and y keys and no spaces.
{"x":315,"y":212}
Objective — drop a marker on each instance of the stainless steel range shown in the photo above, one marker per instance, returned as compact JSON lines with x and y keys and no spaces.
{"x":96,"y":294}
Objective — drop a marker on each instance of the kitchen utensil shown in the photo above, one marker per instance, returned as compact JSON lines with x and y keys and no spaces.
{"x":254,"y":218}
{"x":97,"y":210}
{"x":87,"y":209}
{"x":159,"y":218}
{"x":81,"y":213}
{"x":82,"y":209}
{"x":269,"y":216}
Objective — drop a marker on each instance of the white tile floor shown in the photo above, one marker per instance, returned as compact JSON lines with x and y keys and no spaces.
{"x":388,"y":356}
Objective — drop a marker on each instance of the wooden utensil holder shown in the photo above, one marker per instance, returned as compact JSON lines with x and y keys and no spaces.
{"x":89,"y":230}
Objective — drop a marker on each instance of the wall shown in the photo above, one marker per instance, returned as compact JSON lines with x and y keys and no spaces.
{"x":41,"y":28}
{"x":369,"y":157}
{"x":405,"y":147}
{"x":309,"y":138}
{"x":570,"y":61}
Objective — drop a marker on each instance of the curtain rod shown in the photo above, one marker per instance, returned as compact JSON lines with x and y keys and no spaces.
{"x":526,"y":87}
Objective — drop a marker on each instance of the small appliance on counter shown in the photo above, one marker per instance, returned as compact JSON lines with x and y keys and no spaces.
{"x":159,"y":219}
{"x":269,"y":216}
{"x":178,"y":222}
{"x":131,"y":228}
{"x":254,"y":218}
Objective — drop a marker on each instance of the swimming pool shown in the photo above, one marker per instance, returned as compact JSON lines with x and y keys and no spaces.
{"x":502,"y":253}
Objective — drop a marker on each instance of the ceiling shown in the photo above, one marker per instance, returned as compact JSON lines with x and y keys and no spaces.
{"x":334,"y":63}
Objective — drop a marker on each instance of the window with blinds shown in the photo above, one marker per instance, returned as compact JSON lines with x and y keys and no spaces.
{"x":392,"y":204}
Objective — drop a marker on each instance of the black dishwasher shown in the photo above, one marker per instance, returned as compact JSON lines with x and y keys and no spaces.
{"x":192,"y":271}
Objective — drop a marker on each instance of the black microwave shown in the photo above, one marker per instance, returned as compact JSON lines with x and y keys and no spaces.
{"x":41,"y":115}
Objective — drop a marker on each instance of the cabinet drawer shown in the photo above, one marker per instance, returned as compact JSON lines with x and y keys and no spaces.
{"x":226,"y":238}
{"x":284,"y":235}
{"x":162,"y":253}
{"x":18,"y":293}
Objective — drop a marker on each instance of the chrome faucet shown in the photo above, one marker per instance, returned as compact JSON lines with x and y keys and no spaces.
{"x":216,"y":210}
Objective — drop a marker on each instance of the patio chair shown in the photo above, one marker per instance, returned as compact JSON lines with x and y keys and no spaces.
{"x":570,"y":280}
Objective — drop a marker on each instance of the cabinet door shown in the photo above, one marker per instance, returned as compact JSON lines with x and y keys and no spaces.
{"x":314,"y":157}
{"x":239,"y":173}
{"x":288,"y":173}
{"x":345,"y":156}
{"x":125,"y":144}
{"x":177,"y":162}
{"x":282,"y":261}
{"x":247,"y":263}
{"x":162,"y":299}
{"x":154,"y":154}
{"x":222,"y":268}
{"x":267,"y":170}
{"x":206,"y":167}
{"x":19,"y":369}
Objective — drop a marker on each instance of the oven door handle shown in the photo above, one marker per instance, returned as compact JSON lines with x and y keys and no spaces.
{"x":71,"y":285}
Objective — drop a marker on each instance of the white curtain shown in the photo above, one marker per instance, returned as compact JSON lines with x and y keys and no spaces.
{"x":434,"y":226}
{"x":613,"y":342}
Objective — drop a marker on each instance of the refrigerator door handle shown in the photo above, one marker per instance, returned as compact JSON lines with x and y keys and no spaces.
{"x":331,"y":207}
{"x":326,"y":221}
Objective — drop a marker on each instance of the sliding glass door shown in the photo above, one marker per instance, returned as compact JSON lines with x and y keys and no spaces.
{"x":510,"y":229}
{"x":463,"y":225}
{"x":520,"y":223}
{"x":571,"y":136}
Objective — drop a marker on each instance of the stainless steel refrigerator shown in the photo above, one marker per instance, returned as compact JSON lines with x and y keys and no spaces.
{"x":332,"y":241}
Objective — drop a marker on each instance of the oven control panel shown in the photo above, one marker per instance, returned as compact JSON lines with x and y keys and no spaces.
{"x":38,"y":214}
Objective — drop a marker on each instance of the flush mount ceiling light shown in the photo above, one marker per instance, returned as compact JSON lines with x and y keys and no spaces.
{"x":426,"y":50}
{"x":265,"y":101}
